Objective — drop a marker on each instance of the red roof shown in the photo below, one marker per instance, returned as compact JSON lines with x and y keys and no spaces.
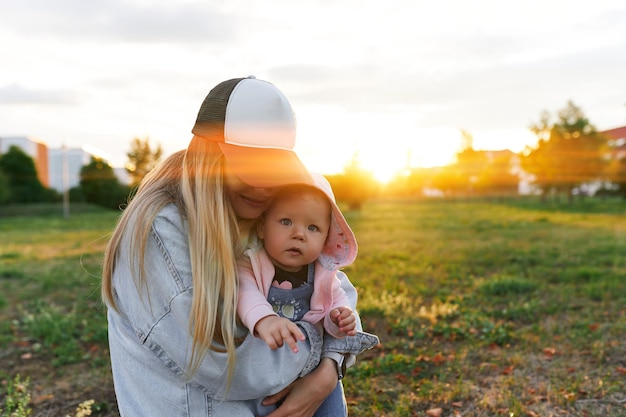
{"x":617,"y":133}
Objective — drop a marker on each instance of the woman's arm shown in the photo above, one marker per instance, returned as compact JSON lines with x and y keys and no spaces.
{"x":160,"y":321}
{"x":259,"y":371}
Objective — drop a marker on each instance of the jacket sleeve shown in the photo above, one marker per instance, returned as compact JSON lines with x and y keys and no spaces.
{"x":350,"y":346}
{"x":252,"y":305}
{"x":159,"y":318}
{"x":339,"y":299}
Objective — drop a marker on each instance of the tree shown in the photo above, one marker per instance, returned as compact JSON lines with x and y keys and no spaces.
{"x":5,"y":192}
{"x":469,"y":166}
{"x":21,"y":174}
{"x":142,"y":159}
{"x":497,"y":176}
{"x":617,"y":175}
{"x":569,"y":153}
{"x":100,"y":186}
{"x":449,"y":180}
{"x":536,"y":162}
{"x":355,"y":185}
{"x":461,"y":177}
{"x":409,"y":183}
{"x":584,"y":148}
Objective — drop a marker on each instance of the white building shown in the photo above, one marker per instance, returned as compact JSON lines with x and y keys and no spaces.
{"x":57,"y":168}
{"x":68,"y":176}
{"x":65,"y":165}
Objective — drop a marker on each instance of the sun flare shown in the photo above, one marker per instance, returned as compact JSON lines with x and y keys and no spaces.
{"x":429,"y":148}
{"x":388,"y":145}
{"x":425,"y":148}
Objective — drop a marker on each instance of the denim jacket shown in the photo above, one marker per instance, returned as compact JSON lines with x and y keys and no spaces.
{"x":150,"y":344}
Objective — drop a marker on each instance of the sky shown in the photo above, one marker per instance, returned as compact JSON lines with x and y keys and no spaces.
{"x":388,"y":83}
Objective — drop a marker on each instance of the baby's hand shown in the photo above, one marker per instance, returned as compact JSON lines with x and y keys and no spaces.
{"x":276,"y":330}
{"x":345,"y":319}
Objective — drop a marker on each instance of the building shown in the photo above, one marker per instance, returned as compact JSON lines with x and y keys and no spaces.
{"x":617,"y":141}
{"x":66,"y":163}
{"x":65,"y":166}
{"x":58,"y":168}
{"x":37,"y":150}
{"x":617,"y":134}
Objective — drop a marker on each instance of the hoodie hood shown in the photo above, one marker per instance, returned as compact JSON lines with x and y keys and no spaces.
{"x":340,"y":249}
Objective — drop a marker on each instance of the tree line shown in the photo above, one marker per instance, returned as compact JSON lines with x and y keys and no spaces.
{"x":571,"y":157}
{"x":98,"y":184}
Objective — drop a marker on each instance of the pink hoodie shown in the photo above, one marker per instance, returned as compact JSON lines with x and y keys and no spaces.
{"x":256,"y":273}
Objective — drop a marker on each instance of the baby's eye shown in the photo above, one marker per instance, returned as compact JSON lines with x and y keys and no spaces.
{"x":313,"y":228}
{"x":285,"y":222}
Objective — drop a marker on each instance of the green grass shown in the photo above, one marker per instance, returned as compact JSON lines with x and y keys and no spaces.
{"x":531,"y":308}
{"x":483,"y":309}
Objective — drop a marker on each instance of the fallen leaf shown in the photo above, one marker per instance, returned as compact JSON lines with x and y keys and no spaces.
{"x":621,"y":370}
{"x":549,"y":351}
{"x":508,"y":370}
{"x":494,"y":347}
{"x":26,"y":356}
{"x":434,"y":412}
{"x":402,"y":378}
{"x":457,"y":404}
{"x":41,"y":398}
{"x":438,"y":359}
{"x":570,"y":396}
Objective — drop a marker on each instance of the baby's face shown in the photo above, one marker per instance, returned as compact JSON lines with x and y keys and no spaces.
{"x":295,"y":229}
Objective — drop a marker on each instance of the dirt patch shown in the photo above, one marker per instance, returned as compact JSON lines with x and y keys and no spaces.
{"x":56,"y":391}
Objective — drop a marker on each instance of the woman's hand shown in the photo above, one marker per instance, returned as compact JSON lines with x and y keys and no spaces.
{"x":305,"y":395}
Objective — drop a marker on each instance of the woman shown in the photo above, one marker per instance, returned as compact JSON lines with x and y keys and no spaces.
{"x":169,"y":274}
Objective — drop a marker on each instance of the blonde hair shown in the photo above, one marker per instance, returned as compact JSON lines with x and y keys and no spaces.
{"x":193,"y":181}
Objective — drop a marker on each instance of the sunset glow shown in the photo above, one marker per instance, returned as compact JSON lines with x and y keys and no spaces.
{"x":390,"y":86}
{"x":389,"y":145}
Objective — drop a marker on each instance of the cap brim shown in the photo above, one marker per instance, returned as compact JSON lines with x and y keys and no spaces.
{"x":265,"y":167}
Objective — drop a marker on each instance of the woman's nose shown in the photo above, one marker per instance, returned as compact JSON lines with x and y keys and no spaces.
{"x":265,"y":192}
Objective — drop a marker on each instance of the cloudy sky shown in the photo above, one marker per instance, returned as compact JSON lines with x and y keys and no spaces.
{"x":376,"y":78}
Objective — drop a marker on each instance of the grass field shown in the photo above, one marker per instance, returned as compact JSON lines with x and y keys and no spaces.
{"x":483,"y":309}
